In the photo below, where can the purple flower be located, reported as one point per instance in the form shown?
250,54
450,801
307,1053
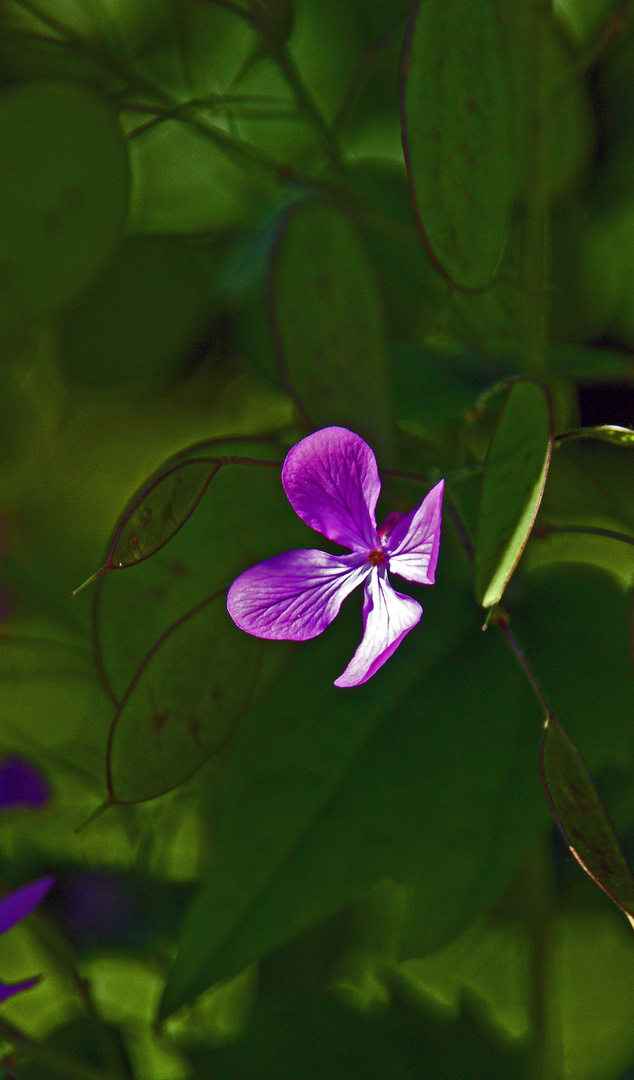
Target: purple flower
332,482
22,784
13,908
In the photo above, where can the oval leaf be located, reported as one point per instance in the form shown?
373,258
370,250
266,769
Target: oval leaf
161,510
512,487
182,704
458,135
582,817
610,433
63,201
328,318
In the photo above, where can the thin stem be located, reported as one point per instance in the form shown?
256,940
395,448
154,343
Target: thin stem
589,530
289,69
501,619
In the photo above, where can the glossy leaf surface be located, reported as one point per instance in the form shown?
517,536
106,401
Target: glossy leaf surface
457,135
182,704
329,320
582,818
514,477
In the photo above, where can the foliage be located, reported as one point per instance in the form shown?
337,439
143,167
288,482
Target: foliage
226,224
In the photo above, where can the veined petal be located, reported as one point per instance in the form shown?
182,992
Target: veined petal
8,990
412,549
295,596
332,482
387,618
17,905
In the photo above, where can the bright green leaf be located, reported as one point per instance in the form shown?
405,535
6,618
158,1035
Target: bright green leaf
458,135
514,477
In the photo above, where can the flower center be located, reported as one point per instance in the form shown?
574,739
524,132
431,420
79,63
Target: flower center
376,557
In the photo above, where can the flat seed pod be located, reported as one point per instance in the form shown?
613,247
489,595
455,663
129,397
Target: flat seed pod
512,487
458,136
182,704
63,196
582,817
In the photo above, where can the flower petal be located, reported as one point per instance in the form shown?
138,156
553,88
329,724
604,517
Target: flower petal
387,618
7,990
332,482
412,548
22,784
17,905
295,596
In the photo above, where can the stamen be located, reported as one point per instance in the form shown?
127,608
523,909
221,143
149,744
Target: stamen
376,557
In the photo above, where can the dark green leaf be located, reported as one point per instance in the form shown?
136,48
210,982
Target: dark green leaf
458,135
415,776
182,704
514,477
63,202
329,321
582,818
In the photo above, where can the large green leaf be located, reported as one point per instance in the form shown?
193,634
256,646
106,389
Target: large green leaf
417,775
64,199
514,477
329,321
458,135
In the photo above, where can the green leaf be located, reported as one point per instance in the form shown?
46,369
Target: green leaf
458,135
182,704
414,776
329,321
582,817
587,512
63,202
514,477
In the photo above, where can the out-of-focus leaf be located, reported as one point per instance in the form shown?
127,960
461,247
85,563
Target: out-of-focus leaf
319,1039
514,477
63,201
140,318
161,511
458,135
329,321
183,703
416,777
587,512
186,182
244,517
582,817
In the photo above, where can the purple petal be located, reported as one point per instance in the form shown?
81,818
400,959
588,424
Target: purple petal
387,618
17,905
8,990
22,785
412,549
295,596
332,482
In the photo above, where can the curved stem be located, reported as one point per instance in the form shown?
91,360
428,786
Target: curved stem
289,69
